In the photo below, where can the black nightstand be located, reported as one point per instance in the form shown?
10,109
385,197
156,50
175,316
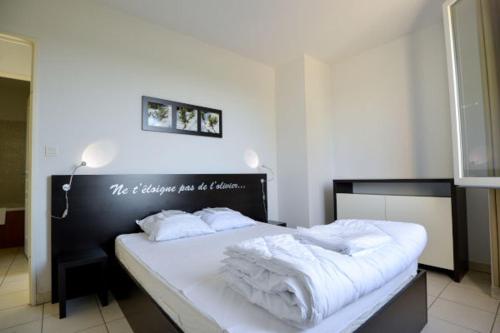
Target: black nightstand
79,259
278,223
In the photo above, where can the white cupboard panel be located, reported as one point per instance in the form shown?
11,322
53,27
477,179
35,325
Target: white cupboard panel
434,213
360,206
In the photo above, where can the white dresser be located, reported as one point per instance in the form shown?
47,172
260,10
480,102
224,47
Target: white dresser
438,205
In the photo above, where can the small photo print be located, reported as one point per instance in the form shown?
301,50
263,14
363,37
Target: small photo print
210,122
187,119
159,114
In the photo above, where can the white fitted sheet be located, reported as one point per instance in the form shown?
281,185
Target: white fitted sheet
182,277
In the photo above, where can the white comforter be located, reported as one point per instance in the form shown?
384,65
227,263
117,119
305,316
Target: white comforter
303,283
352,237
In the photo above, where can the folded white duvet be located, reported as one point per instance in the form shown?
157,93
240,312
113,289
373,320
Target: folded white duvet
303,283
352,237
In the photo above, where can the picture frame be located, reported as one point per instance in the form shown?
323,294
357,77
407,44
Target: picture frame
210,122
160,115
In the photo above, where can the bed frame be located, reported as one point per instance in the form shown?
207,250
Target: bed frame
405,312
105,206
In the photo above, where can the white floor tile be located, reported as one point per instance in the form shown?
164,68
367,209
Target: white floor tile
436,325
20,315
430,300
14,299
6,261
81,313
97,329
496,326
462,315
438,277
21,258
19,267
112,311
32,327
435,289
479,282
10,250
470,297
119,326
436,283
9,287
20,261
3,271
16,276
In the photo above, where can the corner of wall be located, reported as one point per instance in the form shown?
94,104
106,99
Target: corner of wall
303,95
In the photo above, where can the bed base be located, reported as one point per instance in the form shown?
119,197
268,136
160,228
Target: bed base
143,314
405,312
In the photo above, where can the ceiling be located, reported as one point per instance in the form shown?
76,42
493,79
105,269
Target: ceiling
275,31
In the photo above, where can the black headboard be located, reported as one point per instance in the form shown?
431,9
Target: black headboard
105,206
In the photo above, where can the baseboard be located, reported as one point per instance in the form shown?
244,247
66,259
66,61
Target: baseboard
479,267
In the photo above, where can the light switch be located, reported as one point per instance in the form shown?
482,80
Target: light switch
51,151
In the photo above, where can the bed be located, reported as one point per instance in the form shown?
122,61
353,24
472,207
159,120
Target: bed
174,287
191,292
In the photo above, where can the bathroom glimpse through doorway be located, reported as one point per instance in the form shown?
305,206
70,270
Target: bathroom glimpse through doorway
15,170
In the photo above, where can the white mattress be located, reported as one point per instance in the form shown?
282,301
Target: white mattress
182,277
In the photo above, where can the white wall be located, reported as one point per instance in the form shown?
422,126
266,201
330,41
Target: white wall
318,91
478,225
303,106
292,144
391,113
93,65
391,119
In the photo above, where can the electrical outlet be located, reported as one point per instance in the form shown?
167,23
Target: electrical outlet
51,151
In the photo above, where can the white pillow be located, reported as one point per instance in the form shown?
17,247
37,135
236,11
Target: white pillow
219,210
147,223
159,227
225,219
172,212
214,210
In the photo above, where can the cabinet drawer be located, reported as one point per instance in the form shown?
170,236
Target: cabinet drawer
360,206
434,213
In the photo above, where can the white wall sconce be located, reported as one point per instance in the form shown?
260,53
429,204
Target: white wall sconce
66,188
99,154
95,155
252,161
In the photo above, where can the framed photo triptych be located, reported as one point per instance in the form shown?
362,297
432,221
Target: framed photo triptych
161,115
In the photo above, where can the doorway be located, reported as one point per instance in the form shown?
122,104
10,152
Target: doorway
15,169
14,96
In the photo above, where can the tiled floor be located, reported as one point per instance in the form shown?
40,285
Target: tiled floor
461,307
453,307
16,316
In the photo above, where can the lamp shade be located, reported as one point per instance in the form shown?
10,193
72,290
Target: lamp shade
99,154
251,159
